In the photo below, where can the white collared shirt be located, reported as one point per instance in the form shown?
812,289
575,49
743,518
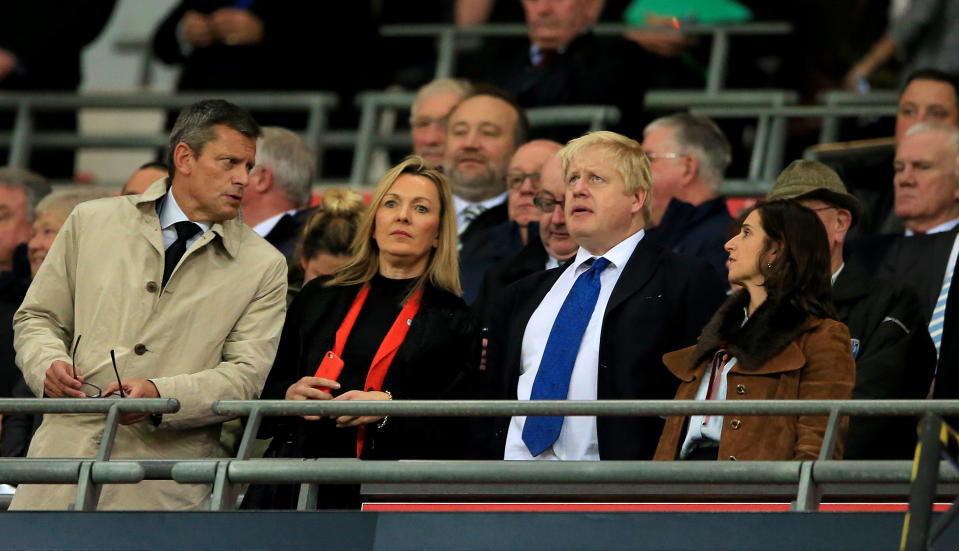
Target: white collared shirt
703,428
578,438
551,262
462,204
945,226
265,227
835,276
170,213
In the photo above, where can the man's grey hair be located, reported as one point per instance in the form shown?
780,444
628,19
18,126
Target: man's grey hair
700,137
951,132
456,86
292,162
196,126
62,201
34,186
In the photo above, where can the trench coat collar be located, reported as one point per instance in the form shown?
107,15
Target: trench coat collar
230,231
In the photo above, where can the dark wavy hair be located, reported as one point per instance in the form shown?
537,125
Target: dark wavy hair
800,275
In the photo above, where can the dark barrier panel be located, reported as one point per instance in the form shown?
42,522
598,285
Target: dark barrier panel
458,531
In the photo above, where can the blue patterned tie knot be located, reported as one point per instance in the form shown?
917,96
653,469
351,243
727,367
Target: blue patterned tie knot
559,356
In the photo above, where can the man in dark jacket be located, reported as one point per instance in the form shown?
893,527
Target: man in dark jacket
689,155
598,326
895,357
276,199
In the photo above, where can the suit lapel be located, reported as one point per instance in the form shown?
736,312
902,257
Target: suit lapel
639,269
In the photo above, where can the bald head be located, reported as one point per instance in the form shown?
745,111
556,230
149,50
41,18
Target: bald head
144,176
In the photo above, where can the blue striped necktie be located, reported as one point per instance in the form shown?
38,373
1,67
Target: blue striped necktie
939,313
559,356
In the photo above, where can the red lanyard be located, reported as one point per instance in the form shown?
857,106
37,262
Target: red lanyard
387,350
719,362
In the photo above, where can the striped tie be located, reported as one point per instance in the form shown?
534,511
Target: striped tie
939,314
469,214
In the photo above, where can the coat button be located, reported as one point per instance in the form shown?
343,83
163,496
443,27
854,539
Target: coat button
735,424
740,389
732,458
152,286
140,349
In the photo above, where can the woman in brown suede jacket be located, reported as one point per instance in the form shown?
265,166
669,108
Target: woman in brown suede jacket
776,338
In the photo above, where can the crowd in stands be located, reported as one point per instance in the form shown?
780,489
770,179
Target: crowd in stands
491,263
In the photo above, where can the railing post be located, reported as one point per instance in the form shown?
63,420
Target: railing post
315,128
718,57
88,492
445,53
759,147
809,494
19,155
831,436
308,496
925,473
364,142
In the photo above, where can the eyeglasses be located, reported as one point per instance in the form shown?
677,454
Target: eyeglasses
98,391
423,122
821,208
655,156
515,181
545,202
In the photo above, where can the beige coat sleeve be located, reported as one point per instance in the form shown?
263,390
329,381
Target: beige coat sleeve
43,326
247,357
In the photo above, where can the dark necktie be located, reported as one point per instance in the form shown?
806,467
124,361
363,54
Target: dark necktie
184,231
562,346
546,57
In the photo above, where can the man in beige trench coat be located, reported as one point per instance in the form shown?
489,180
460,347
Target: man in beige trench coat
202,329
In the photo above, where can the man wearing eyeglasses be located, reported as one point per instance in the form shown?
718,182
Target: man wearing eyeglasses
173,295
553,247
508,238
689,155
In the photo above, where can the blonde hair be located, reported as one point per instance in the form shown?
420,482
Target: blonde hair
625,156
62,201
443,268
333,226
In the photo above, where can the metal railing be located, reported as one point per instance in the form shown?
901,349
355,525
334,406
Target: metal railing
24,137
447,44
807,476
379,106
808,494
770,144
88,473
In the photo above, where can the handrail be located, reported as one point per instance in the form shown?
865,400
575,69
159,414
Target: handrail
770,147
446,35
24,135
619,408
371,103
88,474
89,405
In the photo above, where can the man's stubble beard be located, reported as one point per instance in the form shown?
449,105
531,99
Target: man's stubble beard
478,188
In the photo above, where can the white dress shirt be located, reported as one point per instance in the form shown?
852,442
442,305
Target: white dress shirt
578,438
707,428
945,226
170,213
462,204
265,227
